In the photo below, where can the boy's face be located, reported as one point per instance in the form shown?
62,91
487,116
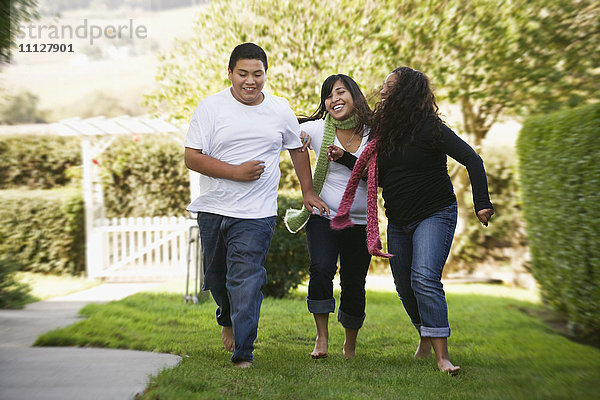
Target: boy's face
247,80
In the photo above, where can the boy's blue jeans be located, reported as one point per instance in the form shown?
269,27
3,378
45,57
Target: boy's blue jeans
234,254
420,251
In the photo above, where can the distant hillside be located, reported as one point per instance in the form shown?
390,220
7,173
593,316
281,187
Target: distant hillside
60,6
107,76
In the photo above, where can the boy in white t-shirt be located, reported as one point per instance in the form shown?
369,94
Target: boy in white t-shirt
234,140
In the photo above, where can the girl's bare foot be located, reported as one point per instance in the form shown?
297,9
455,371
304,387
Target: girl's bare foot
440,346
243,364
350,343
447,366
322,340
349,351
321,347
424,349
227,338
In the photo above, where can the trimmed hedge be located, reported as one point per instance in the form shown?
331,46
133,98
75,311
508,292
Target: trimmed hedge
287,261
144,177
43,230
37,161
560,177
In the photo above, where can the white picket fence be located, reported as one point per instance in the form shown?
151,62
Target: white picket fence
142,248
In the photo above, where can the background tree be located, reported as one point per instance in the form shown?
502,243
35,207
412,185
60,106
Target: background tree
495,57
12,13
491,58
305,41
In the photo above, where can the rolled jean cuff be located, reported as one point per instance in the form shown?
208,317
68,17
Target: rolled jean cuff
350,321
435,332
321,306
237,358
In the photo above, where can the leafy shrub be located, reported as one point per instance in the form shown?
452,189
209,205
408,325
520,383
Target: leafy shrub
22,108
145,176
560,177
287,260
506,232
13,294
43,230
37,161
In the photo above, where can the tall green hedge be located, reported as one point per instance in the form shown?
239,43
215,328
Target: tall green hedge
144,177
559,157
37,161
43,230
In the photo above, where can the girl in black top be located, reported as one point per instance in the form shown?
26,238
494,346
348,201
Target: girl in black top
412,146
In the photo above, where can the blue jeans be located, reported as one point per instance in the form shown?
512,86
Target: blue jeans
234,254
324,247
420,251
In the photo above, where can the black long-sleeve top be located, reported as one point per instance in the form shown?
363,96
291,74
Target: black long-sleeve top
416,183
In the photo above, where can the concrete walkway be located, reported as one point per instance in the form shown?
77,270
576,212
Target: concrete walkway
68,372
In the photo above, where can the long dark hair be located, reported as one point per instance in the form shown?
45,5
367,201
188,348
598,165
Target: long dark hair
361,107
411,102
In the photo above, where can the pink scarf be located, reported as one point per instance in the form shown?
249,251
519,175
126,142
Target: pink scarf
342,219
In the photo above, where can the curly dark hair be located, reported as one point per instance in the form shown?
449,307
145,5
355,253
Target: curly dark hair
361,107
398,118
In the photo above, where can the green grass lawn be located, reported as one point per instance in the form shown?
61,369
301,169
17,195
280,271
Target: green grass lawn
504,352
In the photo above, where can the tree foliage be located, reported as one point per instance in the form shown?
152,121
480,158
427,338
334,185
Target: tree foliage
304,40
500,56
12,13
491,57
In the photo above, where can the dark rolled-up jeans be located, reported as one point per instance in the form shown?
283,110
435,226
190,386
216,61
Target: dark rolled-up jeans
324,247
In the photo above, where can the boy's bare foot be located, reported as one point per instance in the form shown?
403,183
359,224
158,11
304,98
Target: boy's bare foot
243,364
424,349
321,347
447,366
227,338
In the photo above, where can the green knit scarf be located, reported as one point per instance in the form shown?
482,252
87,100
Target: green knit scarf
296,219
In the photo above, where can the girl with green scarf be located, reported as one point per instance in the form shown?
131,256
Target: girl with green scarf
340,120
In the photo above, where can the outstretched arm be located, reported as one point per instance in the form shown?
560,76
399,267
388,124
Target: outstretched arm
210,166
301,162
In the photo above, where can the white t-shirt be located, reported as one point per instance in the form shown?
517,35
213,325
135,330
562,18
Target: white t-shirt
233,132
338,175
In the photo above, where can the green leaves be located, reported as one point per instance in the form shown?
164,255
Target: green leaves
500,56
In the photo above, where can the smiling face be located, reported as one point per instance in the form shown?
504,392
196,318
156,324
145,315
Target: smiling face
339,104
388,85
247,81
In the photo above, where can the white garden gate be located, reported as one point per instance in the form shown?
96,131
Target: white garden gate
130,248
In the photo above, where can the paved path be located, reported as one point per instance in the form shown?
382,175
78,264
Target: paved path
68,372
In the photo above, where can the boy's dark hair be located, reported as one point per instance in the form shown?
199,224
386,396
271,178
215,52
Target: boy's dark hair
248,51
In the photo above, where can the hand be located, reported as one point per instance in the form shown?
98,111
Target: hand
249,171
485,215
306,141
314,204
334,152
